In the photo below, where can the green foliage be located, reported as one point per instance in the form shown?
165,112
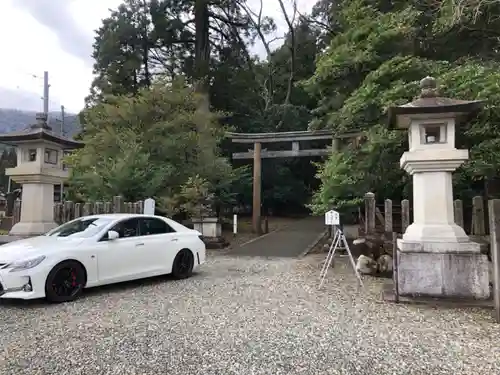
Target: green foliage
145,39
371,37
377,61
195,197
352,60
282,185
477,80
147,145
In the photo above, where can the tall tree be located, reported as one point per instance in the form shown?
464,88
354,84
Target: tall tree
383,50
208,43
122,51
146,145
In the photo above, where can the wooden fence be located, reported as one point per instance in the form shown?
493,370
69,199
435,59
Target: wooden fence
391,218
477,219
67,211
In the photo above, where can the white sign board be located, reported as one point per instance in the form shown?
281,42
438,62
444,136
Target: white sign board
149,206
332,218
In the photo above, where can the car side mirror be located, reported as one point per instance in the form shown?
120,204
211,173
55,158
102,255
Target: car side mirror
113,235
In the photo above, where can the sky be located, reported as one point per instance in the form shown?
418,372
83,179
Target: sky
57,36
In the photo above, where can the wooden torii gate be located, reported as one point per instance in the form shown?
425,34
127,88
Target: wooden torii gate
257,154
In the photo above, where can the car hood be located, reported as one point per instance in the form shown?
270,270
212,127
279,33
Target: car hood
35,246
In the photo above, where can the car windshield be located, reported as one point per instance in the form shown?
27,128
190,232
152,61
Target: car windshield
84,227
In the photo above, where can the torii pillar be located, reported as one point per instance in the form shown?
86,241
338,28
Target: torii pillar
257,188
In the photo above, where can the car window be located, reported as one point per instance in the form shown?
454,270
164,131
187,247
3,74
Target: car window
84,228
126,228
151,226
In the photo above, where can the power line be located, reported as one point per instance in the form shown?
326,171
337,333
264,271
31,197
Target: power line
47,102
28,74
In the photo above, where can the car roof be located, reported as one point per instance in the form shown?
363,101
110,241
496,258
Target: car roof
119,216
174,224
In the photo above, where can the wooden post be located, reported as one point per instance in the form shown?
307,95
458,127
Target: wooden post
395,276
257,182
87,209
68,211
458,211
98,208
405,214
369,213
494,221
335,144
78,210
118,205
16,212
388,215
58,213
478,227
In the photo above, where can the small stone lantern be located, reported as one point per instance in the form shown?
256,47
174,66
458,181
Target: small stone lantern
39,167
436,257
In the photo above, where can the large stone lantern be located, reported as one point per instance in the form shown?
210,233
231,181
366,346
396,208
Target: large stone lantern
39,167
436,257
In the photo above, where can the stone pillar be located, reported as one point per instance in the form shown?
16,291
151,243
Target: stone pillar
433,214
37,210
257,187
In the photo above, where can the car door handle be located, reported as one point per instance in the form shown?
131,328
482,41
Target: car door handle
139,244
174,240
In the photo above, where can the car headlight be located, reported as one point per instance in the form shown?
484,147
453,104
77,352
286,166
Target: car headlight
21,265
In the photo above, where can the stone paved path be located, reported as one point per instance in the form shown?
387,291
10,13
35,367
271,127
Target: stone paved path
290,241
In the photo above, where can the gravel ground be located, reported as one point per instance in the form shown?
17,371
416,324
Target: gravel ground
245,316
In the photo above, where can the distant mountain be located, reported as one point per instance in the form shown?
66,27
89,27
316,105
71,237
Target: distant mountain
15,120
20,99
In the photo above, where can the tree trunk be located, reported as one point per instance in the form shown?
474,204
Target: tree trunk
206,143
291,46
145,46
202,53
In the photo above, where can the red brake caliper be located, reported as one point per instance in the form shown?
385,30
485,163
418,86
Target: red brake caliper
73,278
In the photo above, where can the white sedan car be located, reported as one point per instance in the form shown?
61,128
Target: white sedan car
97,250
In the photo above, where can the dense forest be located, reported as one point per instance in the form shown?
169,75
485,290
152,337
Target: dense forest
172,76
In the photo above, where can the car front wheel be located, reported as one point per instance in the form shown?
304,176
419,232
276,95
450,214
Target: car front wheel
65,282
183,264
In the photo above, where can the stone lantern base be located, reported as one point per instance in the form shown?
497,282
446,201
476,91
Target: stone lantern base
31,229
37,207
442,269
211,230
208,227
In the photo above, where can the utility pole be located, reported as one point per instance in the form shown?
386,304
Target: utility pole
46,93
62,120
62,135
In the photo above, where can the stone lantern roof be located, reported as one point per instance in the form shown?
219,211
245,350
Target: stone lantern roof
40,131
430,104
